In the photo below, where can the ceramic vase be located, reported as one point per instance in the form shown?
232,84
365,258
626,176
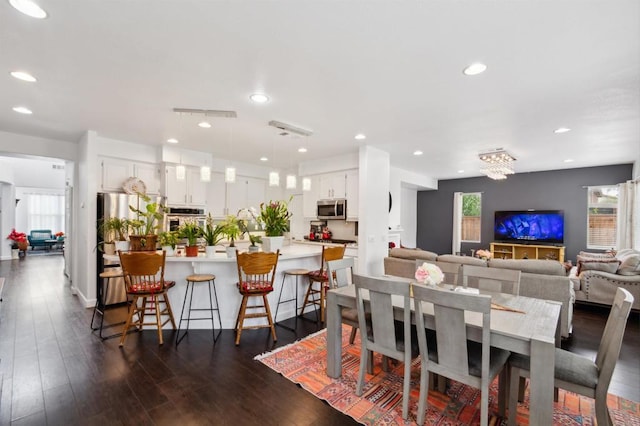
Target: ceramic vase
122,245
210,251
231,252
253,249
271,244
169,250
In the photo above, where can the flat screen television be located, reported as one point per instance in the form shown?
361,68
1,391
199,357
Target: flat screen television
529,226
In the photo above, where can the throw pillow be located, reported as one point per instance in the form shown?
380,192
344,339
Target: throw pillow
629,264
592,255
604,265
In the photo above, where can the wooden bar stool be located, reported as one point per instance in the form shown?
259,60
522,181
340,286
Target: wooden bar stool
316,296
192,280
290,273
100,307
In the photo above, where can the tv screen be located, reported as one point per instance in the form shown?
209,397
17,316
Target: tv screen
530,227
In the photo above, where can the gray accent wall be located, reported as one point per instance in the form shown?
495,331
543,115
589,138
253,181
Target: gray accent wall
551,190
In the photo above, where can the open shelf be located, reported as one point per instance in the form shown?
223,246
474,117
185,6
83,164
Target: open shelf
527,251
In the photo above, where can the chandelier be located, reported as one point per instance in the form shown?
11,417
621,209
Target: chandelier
499,164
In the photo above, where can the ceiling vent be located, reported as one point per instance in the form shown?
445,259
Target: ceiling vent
288,129
206,112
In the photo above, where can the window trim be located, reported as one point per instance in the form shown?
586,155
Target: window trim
607,205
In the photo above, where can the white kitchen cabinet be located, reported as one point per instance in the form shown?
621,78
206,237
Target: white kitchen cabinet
217,195
245,192
190,192
332,185
352,195
310,199
116,171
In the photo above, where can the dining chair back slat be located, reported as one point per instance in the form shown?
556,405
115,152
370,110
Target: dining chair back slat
495,280
340,274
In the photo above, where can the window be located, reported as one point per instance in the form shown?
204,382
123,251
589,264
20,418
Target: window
471,214
602,212
45,211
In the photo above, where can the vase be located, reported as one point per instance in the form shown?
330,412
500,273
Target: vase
122,245
192,251
271,244
15,253
169,250
231,252
143,242
210,251
253,249
109,248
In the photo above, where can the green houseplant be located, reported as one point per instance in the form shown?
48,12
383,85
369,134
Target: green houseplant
231,229
212,235
274,218
168,240
146,225
114,232
191,232
245,217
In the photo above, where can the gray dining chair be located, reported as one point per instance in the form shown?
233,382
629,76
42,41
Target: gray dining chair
340,274
579,374
452,355
491,279
380,335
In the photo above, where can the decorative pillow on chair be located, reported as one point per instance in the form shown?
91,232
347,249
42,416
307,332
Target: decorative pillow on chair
604,265
629,263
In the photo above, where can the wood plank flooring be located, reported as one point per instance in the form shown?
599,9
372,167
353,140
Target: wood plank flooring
54,371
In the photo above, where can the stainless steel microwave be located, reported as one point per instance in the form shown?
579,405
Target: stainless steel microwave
332,209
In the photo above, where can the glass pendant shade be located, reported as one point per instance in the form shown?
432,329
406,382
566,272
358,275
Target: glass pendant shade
306,184
291,182
205,174
230,174
181,172
274,179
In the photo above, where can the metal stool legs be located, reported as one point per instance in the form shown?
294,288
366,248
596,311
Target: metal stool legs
280,301
100,306
192,280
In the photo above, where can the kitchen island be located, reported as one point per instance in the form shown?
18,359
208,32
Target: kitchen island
177,268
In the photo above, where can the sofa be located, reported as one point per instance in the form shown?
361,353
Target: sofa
598,275
40,238
541,279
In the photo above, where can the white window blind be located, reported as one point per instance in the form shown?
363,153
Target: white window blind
45,211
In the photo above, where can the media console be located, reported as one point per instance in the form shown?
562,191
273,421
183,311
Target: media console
527,251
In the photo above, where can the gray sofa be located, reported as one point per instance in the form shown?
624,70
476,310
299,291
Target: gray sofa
541,279
597,276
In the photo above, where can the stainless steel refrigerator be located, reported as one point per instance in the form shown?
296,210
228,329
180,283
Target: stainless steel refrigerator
116,205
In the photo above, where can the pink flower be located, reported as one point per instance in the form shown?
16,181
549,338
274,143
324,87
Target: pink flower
421,275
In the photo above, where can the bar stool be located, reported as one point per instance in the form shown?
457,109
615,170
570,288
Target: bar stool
288,273
100,307
192,280
316,296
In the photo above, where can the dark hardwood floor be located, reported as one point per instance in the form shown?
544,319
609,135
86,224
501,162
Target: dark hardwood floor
53,370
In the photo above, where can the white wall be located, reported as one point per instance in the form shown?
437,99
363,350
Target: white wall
31,145
409,216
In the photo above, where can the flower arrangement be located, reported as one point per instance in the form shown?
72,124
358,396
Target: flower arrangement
59,234
484,254
274,217
17,238
429,273
231,229
191,232
246,216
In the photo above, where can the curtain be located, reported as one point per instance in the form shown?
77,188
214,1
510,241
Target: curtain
628,222
457,223
45,211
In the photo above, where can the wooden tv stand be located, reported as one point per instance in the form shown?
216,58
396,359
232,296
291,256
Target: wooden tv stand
527,251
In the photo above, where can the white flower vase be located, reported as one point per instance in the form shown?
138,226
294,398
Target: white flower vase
210,251
253,249
169,250
15,253
231,252
271,244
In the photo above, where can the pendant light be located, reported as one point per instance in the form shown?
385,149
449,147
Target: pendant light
181,172
306,184
205,174
291,182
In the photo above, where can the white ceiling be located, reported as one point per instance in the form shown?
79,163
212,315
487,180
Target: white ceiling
389,69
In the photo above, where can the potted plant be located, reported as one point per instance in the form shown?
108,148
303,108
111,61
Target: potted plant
146,226
114,232
274,218
231,229
168,241
191,232
246,216
18,243
212,235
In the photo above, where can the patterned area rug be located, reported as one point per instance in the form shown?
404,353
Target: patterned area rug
304,363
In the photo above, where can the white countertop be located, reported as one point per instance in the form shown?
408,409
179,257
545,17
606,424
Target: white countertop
322,243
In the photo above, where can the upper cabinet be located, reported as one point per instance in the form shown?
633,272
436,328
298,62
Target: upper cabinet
216,195
245,192
352,195
189,192
332,185
310,199
116,171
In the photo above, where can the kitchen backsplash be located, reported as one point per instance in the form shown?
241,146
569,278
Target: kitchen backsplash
343,230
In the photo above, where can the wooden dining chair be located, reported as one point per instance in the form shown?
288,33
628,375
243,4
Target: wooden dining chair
579,374
496,280
143,273
381,335
315,296
256,272
454,356
340,274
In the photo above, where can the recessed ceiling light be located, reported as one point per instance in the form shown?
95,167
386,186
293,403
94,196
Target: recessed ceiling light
29,8
569,160
22,110
460,171
259,98
418,152
24,76
360,136
302,149
475,69
204,124
562,130
172,140
264,159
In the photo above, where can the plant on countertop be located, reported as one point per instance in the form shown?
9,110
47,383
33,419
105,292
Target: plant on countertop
169,238
212,233
114,229
231,229
17,237
274,217
148,219
246,216
191,231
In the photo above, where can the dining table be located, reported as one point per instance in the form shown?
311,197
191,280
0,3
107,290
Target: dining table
519,324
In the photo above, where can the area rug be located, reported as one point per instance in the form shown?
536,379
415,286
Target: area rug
304,363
